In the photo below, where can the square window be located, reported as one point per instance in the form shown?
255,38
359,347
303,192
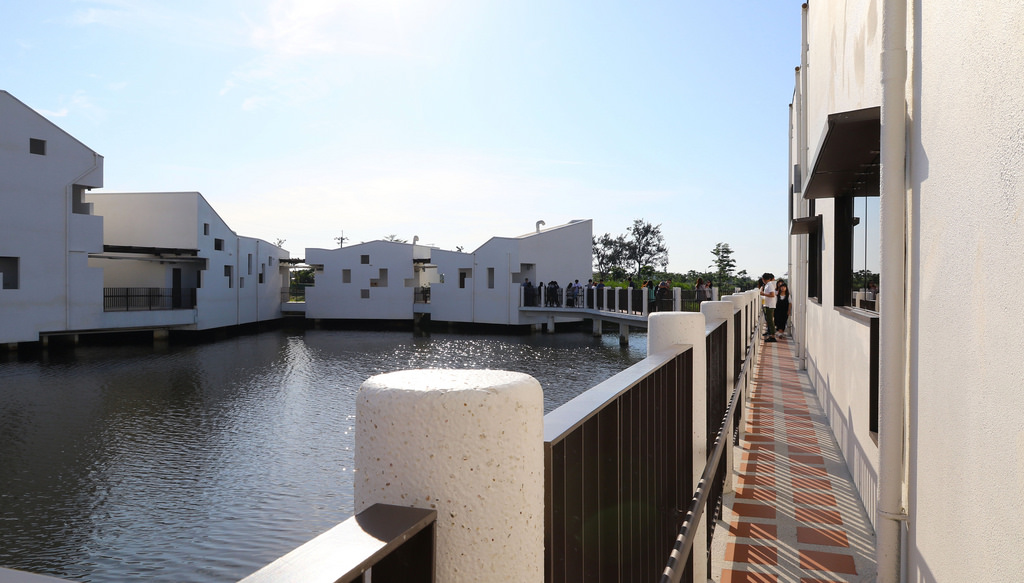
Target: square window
364,294
37,146
364,259
218,244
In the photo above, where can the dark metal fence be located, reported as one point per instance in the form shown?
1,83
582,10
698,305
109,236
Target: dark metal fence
122,299
717,403
614,483
421,295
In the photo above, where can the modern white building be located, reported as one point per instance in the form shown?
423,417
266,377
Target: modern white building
907,151
47,229
175,242
384,280
73,261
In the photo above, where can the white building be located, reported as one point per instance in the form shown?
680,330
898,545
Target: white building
46,228
77,262
176,241
380,280
915,170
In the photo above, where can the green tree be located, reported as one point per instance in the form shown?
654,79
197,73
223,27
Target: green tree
723,264
645,248
610,256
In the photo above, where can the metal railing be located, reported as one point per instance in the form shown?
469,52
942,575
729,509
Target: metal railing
707,497
421,295
127,299
614,483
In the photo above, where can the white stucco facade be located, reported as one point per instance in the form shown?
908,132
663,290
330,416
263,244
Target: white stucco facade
66,251
376,280
964,254
237,280
46,230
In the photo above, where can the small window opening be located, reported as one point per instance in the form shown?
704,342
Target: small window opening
346,276
364,259
218,244
37,146
9,272
206,229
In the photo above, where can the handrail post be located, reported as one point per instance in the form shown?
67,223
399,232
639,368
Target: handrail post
665,329
468,444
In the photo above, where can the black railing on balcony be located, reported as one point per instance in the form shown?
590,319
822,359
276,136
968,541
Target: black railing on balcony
718,397
127,299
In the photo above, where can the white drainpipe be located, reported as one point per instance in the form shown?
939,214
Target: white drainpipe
893,383
803,246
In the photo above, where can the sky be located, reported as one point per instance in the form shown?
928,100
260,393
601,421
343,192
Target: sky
451,120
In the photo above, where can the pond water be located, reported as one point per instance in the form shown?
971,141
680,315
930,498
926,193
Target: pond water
205,462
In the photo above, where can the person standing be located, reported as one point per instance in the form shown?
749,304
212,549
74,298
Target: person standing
782,309
770,299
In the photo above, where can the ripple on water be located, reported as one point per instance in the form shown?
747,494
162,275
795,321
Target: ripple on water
206,462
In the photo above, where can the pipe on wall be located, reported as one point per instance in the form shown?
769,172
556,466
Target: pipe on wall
892,510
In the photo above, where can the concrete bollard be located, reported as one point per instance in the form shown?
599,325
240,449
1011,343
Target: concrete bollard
468,443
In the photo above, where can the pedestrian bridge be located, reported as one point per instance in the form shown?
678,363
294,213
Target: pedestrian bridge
625,307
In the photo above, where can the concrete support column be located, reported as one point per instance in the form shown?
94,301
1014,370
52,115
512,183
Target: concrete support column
551,324
665,329
714,311
677,299
161,334
470,444
598,327
623,334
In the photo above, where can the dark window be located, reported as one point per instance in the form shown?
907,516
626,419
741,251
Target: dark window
227,274
9,272
364,294
206,229
36,146
364,259
218,244
346,276
464,273
814,261
490,278
250,264
857,251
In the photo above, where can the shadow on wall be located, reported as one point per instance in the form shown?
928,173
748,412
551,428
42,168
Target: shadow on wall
857,462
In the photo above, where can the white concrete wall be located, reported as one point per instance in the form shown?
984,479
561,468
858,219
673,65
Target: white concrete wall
186,220
966,243
562,253
332,298
966,149
449,302
38,227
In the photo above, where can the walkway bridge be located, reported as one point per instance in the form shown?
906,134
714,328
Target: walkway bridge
626,307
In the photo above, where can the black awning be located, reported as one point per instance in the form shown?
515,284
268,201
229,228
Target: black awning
805,225
133,249
848,161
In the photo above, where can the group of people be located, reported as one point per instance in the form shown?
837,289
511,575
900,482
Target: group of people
552,293
775,300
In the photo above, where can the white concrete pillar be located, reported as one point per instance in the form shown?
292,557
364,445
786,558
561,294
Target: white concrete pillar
623,334
598,327
551,324
677,299
665,329
468,443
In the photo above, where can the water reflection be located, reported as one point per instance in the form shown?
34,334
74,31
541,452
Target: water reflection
201,463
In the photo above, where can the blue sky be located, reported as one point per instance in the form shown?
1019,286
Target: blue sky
451,120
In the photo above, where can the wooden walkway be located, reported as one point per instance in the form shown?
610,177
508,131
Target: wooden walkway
795,516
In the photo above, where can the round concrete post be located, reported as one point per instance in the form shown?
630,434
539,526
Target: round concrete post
468,443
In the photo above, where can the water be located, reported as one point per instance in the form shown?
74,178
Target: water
206,462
